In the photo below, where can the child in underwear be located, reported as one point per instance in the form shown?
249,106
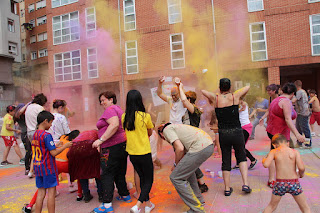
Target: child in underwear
286,160
214,127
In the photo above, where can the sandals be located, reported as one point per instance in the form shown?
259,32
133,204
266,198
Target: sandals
253,164
228,192
246,189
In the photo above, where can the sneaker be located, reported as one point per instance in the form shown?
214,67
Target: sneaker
252,164
26,209
135,209
21,162
73,188
5,163
126,199
57,193
203,187
313,134
87,197
30,174
26,172
79,198
148,209
103,209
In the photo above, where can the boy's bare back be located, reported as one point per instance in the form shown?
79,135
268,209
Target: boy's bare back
315,104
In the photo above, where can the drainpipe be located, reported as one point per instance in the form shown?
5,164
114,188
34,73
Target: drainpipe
121,62
215,39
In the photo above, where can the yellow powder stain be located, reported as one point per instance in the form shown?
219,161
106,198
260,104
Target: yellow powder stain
313,175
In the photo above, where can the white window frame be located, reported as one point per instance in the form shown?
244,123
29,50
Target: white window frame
45,53
128,57
31,10
62,60
24,58
68,27
254,1
96,62
21,13
15,45
173,5
60,4
33,22
313,1
44,35
11,28
129,14
91,22
172,51
313,34
41,4
23,29
35,39
265,40
43,20
33,55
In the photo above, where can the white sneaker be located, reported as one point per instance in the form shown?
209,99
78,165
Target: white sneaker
135,209
319,135
148,209
73,188
313,134
30,174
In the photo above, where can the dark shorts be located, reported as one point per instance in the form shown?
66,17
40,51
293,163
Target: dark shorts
46,181
283,186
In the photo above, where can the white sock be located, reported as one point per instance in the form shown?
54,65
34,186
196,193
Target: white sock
107,205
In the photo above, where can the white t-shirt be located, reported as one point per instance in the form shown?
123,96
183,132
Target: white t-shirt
177,111
59,126
244,116
31,115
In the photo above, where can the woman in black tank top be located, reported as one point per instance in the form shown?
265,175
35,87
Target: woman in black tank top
230,131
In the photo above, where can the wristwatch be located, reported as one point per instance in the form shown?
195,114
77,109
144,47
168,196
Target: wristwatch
101,139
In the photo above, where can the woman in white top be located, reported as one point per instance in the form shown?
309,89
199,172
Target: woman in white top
247,129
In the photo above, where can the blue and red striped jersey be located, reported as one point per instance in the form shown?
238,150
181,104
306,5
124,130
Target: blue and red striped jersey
43,162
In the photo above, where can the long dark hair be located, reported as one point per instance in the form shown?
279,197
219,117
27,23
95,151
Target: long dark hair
134,104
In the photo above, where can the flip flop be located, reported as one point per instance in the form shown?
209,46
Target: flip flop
228,192
253,164
246,189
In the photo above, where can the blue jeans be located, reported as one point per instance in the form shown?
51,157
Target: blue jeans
302,125
255,123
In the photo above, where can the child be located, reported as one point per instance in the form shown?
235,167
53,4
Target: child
286,160
138,127
45,168
315,116
7,133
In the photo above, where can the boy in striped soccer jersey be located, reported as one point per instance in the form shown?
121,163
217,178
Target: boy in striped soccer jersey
44,163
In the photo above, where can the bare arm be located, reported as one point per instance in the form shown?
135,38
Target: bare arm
179,150
312,100
265,115
22,110
57,151
300,164
253,113
185,101
111,130
12,129
150,132
211,96
268,160
242,92
159,90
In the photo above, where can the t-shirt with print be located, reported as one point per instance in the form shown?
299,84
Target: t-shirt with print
262,105
102,125
302,106
192,119
138,140
43,162
59,126
31,115
192,138
177,110
7,120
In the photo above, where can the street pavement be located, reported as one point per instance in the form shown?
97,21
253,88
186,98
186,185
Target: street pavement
16,188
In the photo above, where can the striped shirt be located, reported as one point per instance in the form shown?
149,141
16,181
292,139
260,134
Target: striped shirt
43,162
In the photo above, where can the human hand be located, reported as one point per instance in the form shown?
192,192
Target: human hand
301,138
261,122
96,144
68,144
162,79
301,174
18,131
177,81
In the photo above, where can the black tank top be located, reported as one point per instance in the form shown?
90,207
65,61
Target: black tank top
228,117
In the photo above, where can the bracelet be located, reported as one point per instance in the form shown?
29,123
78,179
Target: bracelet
174,164
100,139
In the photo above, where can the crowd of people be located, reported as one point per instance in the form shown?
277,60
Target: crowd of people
52,148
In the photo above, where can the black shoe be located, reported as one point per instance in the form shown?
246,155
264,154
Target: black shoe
203,187
235,167
79,198
253,163
100,198
87,197
229,192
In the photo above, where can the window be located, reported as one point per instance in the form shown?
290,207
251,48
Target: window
33,22
33,39
92,63
132,57
13,7
21,13
23,29
43,53
12,48
31,8
33,55
67,66
40,4
174,11
41,20
24,57
255,5
258,42
42,36
177,51
311,1
91,22
315,34
66,28
129,15
58,3
11,25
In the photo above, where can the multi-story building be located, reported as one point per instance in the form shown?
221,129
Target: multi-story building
119,45
9,51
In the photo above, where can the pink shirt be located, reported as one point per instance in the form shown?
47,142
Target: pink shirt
102,125
277,123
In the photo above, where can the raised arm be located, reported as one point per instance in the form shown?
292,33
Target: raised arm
22,110
242,92
159,90
185,101
312,100
211,96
